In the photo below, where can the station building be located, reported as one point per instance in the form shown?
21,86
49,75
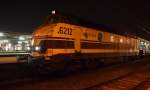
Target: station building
14,41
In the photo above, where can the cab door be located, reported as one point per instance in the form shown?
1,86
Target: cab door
77,37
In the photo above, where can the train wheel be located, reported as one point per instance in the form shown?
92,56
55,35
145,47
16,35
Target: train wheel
88,63
40,67
84,63
61,63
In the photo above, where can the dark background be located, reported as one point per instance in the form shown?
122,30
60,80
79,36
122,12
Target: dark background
131,17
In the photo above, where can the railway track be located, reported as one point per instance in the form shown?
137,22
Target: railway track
129,81
144,85
118,77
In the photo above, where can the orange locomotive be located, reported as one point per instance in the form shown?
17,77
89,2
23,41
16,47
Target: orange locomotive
60,40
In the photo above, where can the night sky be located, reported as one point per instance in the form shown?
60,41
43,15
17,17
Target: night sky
124,16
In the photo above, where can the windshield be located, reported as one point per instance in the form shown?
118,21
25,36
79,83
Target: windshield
56,44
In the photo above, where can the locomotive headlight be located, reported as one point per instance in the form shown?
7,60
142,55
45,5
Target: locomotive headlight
37,48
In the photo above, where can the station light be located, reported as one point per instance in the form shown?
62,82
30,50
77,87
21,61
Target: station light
1,34
142,43
21,38
19,48
19,42
5,41
28,48
32,42
26,41
53,12
9,46
6,48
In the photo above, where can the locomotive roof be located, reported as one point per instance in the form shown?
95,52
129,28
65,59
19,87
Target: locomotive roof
76,20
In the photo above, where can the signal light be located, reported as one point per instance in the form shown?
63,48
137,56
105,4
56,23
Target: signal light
53,12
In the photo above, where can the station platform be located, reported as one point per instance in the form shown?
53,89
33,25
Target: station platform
10,57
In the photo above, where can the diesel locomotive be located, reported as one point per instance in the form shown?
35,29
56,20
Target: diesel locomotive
61,40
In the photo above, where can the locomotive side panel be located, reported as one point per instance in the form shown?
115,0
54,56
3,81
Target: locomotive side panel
67,36
70,39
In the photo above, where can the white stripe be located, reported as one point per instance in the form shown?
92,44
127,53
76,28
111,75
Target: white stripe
105,50
60,51
67,51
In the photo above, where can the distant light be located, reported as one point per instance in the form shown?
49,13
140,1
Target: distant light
19,42
1,34
53,12
28,44
21,38
9,46
19,48
6,41
142,43
28,48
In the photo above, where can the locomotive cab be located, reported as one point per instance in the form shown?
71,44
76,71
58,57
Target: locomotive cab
52,38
